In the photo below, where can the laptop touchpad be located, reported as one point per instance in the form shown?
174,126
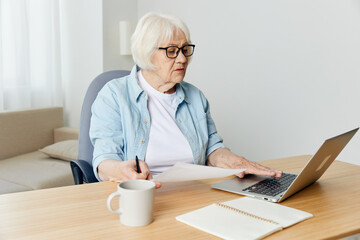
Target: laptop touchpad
238,184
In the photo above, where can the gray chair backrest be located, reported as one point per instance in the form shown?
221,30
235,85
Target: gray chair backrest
86,148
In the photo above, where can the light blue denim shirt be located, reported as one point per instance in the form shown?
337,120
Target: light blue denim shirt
120,122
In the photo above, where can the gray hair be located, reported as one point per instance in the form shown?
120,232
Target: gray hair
151,30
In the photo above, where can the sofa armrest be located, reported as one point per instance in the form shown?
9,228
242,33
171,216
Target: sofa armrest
65,133
25,131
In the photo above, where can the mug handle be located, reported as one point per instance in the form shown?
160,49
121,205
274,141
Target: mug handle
111,196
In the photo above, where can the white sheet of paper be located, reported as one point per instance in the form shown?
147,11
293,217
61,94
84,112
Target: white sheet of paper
187,172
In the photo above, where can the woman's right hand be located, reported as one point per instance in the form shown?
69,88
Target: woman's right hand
118,171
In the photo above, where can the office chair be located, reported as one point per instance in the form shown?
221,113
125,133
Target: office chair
81,168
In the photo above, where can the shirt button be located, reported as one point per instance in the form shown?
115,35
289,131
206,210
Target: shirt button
145,121
142,141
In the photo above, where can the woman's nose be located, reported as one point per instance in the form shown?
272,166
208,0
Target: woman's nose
181,58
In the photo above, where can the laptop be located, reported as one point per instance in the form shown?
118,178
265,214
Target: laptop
278,189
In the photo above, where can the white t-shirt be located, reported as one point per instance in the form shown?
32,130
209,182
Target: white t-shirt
167,144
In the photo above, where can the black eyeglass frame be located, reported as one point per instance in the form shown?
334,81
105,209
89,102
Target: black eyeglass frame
177,52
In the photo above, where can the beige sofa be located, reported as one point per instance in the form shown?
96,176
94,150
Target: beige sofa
22,134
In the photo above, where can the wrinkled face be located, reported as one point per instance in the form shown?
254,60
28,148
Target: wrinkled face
170,71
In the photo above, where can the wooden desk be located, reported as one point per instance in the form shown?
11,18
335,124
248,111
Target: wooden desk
80,212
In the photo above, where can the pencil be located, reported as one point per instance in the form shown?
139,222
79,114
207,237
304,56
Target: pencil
137,165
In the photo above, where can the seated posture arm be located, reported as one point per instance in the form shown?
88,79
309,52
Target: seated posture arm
118,171
224,158
155,115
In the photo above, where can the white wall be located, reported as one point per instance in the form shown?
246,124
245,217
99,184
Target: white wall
82,54
281,76
90,46
115,11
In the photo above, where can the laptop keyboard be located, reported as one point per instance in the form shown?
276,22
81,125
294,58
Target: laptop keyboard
272,186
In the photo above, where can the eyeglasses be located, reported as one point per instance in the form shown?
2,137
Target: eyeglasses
173,51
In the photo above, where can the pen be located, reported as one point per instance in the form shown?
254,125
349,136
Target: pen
137,165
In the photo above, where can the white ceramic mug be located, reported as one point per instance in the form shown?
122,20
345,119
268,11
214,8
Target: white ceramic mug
136,202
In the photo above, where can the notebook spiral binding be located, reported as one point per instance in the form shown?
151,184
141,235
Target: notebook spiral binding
246,214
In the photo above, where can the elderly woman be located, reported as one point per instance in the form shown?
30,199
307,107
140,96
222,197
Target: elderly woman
155,115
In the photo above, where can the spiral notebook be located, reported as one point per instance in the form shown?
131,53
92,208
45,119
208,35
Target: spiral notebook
243,218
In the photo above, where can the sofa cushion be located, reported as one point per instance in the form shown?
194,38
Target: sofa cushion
65,150
36,170
9,187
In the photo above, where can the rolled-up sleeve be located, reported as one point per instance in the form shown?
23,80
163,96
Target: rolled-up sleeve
106,131
214,141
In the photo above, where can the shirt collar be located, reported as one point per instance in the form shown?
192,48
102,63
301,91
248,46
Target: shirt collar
181,93
134,87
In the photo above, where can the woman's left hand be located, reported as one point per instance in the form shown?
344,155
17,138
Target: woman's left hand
224,158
